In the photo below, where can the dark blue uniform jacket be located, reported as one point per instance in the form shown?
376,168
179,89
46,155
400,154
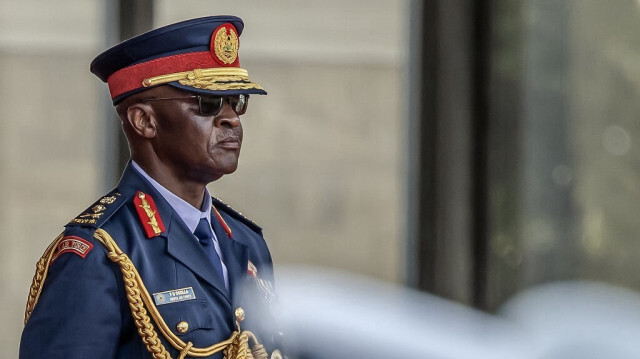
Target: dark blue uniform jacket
83,311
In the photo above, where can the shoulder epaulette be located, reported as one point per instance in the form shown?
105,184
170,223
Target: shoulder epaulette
99,212
237,215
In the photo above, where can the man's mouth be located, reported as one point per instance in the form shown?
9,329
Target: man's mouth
231,143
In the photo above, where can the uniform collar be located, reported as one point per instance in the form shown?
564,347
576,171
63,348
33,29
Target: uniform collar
189,214
180,241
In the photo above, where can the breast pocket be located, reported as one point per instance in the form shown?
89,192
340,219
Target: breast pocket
188,318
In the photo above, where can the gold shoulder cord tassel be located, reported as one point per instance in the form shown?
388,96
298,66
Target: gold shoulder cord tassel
236,347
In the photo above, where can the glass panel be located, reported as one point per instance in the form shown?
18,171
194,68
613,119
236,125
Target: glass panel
565,169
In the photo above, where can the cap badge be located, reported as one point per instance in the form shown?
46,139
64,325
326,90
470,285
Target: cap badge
225,45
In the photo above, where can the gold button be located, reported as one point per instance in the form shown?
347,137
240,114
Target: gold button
239,314
182,327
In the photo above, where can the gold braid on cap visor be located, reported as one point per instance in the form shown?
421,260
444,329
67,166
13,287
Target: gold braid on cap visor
215,79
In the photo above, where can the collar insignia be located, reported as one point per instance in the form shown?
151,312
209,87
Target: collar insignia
222,222
148,213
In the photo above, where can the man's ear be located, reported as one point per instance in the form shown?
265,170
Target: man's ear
142,120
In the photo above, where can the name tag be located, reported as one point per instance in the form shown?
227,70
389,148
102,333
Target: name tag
174,296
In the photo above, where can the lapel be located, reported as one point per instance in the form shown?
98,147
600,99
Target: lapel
181,243
235,254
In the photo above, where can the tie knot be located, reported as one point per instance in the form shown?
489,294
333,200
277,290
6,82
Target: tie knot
203,232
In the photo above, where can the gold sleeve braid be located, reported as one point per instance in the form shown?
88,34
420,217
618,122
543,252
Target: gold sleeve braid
236,347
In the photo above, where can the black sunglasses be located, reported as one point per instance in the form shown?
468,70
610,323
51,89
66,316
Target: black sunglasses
210,105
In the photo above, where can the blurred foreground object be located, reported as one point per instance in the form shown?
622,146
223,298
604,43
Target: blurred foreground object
332,314
584,320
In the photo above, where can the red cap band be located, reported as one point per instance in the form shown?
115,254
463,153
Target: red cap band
130,78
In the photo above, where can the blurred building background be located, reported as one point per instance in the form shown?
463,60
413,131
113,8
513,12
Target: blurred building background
468,149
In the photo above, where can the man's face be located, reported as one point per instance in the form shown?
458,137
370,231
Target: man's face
195,147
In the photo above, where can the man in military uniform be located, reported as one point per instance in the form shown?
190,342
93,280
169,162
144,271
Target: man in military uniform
157,267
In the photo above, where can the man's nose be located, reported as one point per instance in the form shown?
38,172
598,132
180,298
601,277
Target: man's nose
227,117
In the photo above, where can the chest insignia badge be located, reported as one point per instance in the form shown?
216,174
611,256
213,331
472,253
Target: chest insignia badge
252,270
265,286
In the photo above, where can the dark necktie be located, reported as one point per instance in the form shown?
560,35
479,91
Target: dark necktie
205,236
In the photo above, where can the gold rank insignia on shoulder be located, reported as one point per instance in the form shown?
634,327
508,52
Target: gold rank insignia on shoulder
225,207
97,210
108,199
148,213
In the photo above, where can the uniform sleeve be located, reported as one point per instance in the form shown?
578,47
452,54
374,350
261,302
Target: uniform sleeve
78,314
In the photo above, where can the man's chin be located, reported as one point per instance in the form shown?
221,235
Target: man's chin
220,172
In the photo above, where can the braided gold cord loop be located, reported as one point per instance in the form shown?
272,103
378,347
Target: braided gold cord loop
143,309
138,312
42,268
259,352
239,348
236,347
